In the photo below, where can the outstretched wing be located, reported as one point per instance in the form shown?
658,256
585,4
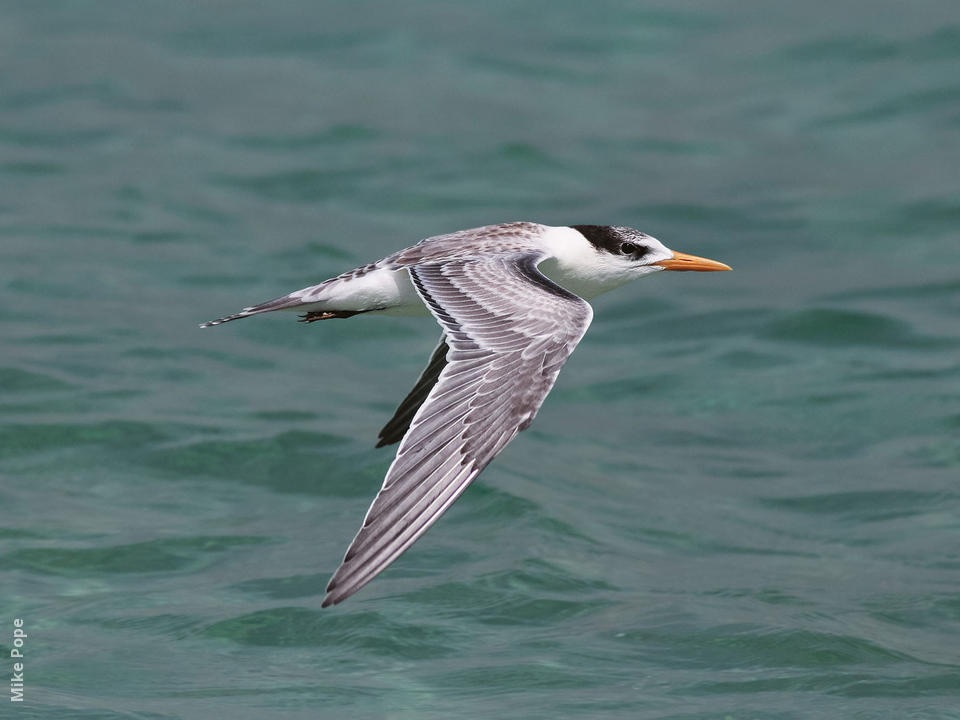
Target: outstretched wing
395,428
509,330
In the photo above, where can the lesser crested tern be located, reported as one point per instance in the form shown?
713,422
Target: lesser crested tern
511,301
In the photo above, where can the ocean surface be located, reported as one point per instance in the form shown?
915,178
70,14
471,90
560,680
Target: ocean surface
742,500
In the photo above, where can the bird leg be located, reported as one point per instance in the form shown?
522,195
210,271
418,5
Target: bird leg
327,315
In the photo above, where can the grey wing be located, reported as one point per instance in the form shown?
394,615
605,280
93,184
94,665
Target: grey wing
395,428
509,330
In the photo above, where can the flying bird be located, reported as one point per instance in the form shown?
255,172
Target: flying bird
511,300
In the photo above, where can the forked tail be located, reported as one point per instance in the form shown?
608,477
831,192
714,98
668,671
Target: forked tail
287,302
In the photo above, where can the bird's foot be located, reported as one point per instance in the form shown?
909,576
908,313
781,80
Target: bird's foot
326,315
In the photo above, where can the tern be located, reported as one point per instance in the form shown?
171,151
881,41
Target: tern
511,300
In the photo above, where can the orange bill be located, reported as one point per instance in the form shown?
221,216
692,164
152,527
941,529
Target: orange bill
682,261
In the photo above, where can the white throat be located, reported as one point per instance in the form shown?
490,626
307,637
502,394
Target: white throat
578,266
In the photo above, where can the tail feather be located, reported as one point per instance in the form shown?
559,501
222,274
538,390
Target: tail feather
287,302
226,319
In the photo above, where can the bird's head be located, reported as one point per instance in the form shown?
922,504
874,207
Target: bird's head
614,255
640,253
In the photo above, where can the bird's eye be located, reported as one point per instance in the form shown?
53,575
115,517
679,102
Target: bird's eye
628,248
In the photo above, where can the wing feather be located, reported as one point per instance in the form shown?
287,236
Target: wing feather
397,426
507,332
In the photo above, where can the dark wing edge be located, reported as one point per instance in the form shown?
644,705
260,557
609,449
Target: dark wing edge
398,425
509,330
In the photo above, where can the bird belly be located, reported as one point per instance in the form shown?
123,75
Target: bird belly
383,290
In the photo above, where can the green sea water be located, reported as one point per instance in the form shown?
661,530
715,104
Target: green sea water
742,499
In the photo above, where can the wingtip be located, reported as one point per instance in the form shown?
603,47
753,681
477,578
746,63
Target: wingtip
331,597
